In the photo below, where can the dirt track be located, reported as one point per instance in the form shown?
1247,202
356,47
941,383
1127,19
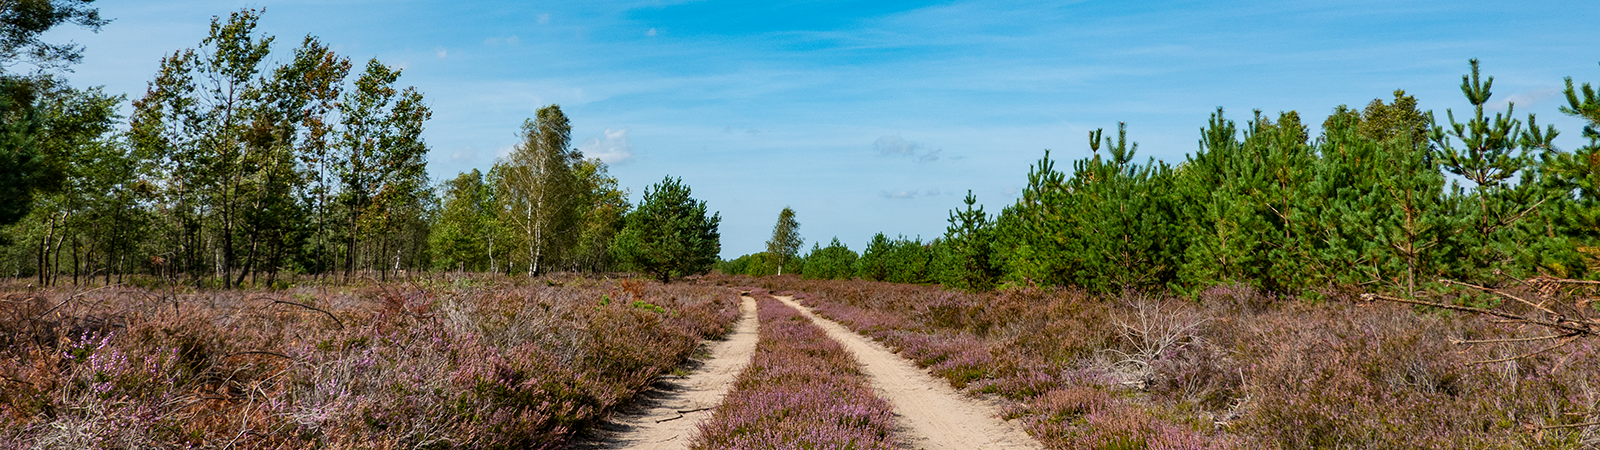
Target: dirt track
929,414
668,416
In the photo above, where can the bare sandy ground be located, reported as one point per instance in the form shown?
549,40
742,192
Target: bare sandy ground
929,414
667,416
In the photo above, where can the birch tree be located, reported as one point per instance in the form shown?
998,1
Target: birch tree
540,189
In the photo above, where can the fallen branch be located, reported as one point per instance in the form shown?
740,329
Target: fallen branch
330,315
1567,328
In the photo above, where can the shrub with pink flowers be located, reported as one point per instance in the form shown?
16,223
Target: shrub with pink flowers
1231,368
801,390
441,364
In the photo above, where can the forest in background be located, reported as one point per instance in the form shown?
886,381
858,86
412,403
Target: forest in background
1385,198
232,169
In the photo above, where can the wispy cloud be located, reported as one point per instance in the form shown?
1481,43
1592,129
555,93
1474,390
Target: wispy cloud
652,32
1534,96
899,194
896,145
544,19
903,194
614,148
442,52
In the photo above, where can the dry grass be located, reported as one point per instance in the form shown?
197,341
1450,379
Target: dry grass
1232,369
443,363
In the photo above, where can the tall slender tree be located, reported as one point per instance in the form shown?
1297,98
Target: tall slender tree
382,161
540,189
786,241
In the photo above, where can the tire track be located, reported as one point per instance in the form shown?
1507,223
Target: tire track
668,416
929,413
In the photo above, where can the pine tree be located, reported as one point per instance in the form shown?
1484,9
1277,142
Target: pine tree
669,234
969,239
1490,155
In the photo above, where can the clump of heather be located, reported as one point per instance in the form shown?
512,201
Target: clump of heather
1234,367
462,363
801,390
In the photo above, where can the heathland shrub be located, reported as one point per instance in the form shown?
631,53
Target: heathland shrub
801,390
443,364
1235,369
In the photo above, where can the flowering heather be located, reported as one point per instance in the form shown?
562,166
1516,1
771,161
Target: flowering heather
448,363
1234,368
801,390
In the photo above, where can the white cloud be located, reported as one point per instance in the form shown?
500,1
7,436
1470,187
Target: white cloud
544,18
442,52
514,40
652,32
899,194
896,145
615,148
463,153
1531,97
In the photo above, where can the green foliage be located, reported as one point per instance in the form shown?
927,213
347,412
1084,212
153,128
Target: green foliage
1365,203
22,166
669,235
466,220
601,208
898,260
968,239
540,191
786,241
23,22
834,262
1107,227
1241,215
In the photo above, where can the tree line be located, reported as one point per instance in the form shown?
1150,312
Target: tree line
232,169
1387,197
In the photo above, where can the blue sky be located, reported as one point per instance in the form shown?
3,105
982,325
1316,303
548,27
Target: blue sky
868,116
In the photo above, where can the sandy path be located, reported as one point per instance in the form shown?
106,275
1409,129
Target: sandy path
928,413
667,416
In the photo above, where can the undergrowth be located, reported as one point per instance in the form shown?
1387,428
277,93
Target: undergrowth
444,364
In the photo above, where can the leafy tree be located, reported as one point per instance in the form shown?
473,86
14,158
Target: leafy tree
23,22
786,241
192,122
669,235
898,260
23,169
460,237
382,161
834,262
740,265
540,191
601,208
